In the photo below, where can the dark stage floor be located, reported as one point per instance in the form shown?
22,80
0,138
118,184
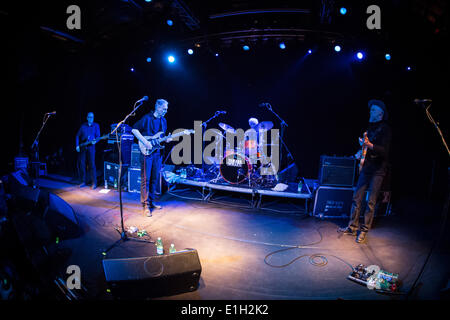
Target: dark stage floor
232,244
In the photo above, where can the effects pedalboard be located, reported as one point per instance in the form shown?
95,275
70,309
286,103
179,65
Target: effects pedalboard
375,278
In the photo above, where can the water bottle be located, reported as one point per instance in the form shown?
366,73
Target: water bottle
106,184
300,185
172,248
159,246
115,184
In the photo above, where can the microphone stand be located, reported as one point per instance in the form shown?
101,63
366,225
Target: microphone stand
435,124
283,126
204,125
122,232
35,146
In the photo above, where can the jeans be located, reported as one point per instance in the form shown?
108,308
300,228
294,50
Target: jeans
89,153
150,168
373,181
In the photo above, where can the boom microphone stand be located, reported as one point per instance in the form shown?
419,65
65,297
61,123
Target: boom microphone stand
283,126
122,232
35,149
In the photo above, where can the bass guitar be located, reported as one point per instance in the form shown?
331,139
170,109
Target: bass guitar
156,140
96,140
363,152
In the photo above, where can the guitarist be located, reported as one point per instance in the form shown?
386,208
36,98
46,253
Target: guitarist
149,125
375,146
89,131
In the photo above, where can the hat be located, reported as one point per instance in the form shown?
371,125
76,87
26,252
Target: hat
380,104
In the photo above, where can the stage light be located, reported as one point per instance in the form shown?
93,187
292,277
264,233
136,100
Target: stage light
408,68
169,22
246,48
337,48
171,59
387,56
148,0
282,46
132,69
149,59
309,51
360,55
217,54
343,11
190,51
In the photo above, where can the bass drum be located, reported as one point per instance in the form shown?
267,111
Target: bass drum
235,168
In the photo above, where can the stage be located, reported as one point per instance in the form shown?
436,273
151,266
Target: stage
233,241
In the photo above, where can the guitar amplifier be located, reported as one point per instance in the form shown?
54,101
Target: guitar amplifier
135,156
337,171
333,202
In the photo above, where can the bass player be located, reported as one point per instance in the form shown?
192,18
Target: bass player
373,168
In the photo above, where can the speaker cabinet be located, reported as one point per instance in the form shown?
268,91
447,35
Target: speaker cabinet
153,276
337,171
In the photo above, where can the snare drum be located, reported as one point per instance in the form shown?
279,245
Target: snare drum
235,168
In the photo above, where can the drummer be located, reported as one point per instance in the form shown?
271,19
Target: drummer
251,145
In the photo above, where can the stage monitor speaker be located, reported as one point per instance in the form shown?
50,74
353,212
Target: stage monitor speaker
337,171
154,276
333,202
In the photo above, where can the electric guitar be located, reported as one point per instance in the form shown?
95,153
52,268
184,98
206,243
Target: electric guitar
156,140
96,140
363,153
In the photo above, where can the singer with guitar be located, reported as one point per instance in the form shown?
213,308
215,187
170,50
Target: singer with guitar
149,125
373,168
86,138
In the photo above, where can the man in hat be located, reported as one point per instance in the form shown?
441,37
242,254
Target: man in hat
376,141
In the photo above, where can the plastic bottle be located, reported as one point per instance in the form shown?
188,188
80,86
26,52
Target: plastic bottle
159,246
172,248
106,184
115,184
300,185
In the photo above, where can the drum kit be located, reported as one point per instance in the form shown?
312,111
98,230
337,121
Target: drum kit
236,168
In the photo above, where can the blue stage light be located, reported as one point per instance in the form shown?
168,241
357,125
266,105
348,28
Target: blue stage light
246,48
387,56
360,55
408,68
282,45
148,0
132,69
170,22
217,54
343,10
171,59
337,48
190,51
309,51
149,59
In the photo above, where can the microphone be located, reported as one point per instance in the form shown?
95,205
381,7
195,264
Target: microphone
145,98
422,100
263,104
54,112
219,112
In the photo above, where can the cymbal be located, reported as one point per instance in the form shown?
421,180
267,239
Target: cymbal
265,125
227,128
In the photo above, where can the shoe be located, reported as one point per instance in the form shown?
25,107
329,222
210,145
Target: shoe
361,237
348,231
94,186
147,211
83,185
155,206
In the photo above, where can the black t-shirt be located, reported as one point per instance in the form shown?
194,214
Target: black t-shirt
148,125
379,133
